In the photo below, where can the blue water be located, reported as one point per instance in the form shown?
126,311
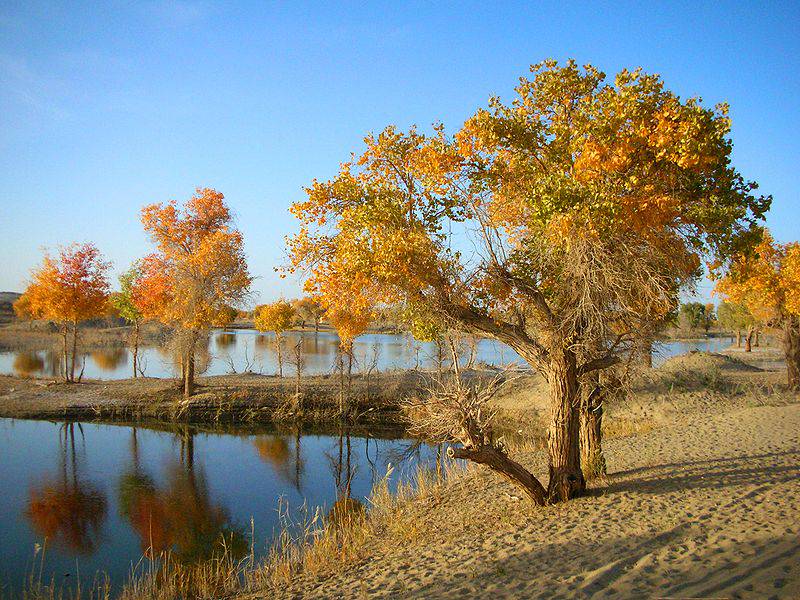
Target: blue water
95,497
247,349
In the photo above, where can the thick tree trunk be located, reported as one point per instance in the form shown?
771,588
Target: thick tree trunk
791,349
500,463
566,478
757,342
593,463
748,341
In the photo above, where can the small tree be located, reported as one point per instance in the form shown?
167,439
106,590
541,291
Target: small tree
767,282
349,321
126,304
69,289
735,318
197,272
692,316
277,318
308,309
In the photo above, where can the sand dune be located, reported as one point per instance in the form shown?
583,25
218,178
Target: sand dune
709,508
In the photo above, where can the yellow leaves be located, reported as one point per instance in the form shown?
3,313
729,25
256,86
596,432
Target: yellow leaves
790,278
767,281
199,269
71,287
277,317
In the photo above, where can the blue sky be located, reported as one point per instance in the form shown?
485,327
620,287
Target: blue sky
105,107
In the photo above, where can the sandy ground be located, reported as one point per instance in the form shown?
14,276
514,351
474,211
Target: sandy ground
706,505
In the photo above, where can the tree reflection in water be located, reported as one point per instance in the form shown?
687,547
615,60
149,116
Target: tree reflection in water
28,363
110,359
225,340
345,507
68,511
287,465
178,516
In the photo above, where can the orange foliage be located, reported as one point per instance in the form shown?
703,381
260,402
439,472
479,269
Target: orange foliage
766,281
199,268
71,287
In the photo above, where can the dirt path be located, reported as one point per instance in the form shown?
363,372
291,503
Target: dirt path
707,509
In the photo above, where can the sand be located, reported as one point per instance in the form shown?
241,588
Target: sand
707,507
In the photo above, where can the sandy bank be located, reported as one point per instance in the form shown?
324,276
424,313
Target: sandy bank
704,503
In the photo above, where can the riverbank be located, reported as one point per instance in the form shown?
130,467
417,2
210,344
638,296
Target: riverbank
702,500
240,398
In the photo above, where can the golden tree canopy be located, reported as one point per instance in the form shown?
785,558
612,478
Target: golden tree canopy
277,317
199,268
70,287
765,281
578,210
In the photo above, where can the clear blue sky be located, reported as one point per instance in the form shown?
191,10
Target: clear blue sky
107,106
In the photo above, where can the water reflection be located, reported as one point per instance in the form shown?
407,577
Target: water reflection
178,516
226,340
345,507
66,509
284,459
247,350
120,493
110,359
28,363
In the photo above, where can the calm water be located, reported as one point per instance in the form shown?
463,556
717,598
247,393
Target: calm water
103,494
242,350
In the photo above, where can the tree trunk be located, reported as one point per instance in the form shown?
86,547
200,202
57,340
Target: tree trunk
566,478
316,325
757,342
500,463
280,355
188,381
748,341
188,376
791,349
648,355
738,338
65,331
74,350
593,462
135,349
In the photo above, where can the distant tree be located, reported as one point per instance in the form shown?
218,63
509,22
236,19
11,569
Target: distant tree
68,289
228,315
308,309
277,318
692,316
22,308
197,272
767,282
709,316
349,321
127,304
736,318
